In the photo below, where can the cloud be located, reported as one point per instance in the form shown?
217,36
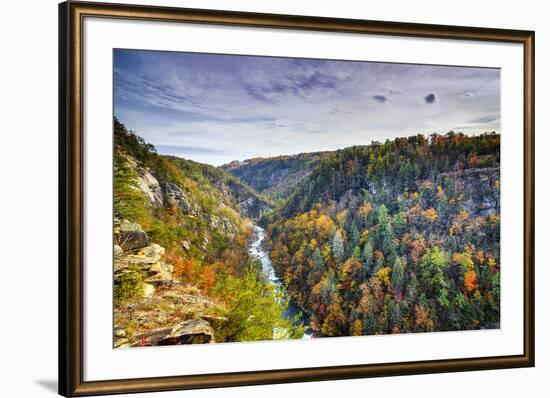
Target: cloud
215,108
485,119
430,98
379,98
466,95
189,149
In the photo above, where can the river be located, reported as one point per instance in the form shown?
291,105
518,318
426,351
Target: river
258,249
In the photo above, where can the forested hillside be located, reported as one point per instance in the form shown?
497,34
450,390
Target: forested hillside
182,266
276,177
394,237
402,236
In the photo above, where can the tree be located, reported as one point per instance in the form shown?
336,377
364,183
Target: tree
354,235
255,310
318,263
338,247
129,201
433,276
385,234
397,276
367,257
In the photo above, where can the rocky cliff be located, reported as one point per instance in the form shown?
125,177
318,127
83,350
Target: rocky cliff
152,307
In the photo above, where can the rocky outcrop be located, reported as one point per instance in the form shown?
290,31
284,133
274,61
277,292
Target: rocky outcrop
173,195
130,236
480,188
223,225
133,256
150,186
174,314
253,207
194,331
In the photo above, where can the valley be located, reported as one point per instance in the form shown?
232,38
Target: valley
394,237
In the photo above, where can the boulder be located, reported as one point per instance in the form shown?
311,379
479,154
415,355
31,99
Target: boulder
121,343
131,237
161,270
186,244
118,251
196,331
148,290
119,332
147,256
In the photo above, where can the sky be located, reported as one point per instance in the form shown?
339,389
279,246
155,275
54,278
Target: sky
215,108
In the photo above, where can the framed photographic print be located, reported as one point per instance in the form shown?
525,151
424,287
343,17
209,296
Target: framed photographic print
252,199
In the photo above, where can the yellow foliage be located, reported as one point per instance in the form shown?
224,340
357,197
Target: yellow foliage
365,209
430,214
494,218
383,275
341,217
463,214
357,328
464,259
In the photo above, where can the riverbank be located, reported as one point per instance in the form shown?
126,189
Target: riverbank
257,249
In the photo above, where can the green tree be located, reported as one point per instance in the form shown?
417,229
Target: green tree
129,201
255,310
397,276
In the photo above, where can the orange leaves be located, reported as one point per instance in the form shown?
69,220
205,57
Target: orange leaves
422,318
430,214
183,268
464,259
473,161
208,279
480,256
463,215
470,281
347,274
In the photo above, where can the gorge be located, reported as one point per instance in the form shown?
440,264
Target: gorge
393,237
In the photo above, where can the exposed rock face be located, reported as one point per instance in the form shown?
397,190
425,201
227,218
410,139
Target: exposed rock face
130,236
223,225
174,195
148,259
196,331
253,207
481,197
150,186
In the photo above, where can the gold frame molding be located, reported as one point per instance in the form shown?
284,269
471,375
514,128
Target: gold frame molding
71,15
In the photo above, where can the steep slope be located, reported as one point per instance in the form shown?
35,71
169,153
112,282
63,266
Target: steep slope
276,177
181,233
396,237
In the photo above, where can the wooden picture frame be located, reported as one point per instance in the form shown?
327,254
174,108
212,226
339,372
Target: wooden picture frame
71,238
